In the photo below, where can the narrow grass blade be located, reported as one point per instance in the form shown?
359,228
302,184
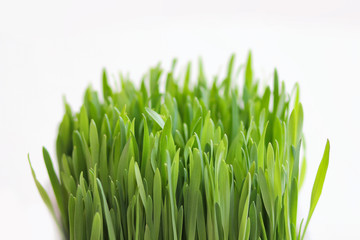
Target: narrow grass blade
318,184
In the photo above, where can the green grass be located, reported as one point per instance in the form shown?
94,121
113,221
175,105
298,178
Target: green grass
196,161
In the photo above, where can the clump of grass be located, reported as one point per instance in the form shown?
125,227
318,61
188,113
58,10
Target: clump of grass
192,162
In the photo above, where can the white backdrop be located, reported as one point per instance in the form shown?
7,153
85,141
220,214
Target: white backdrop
48,50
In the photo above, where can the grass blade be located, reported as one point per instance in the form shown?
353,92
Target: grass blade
318,184
96,228
109,223
155,117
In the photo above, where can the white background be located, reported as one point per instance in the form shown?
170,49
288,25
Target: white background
50,49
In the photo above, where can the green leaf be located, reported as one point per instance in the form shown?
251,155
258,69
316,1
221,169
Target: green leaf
296,124
43,194
244,221
207,132
157,203
187,77
94,143
302,172
293,202
191,194
140,184
146,147
96,227
224,197
248,73
155,117
154,85
84,123
71,212
261,149
200,222
265,193
235,121
219,221
109,223
131,180
318,184
147,235
253,222
79,223
175,172
107,92
103,164
227,81
171,195
55,184
69,182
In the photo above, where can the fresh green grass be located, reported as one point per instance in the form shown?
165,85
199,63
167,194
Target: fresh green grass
194,162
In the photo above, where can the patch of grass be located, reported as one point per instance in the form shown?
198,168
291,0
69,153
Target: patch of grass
193,162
